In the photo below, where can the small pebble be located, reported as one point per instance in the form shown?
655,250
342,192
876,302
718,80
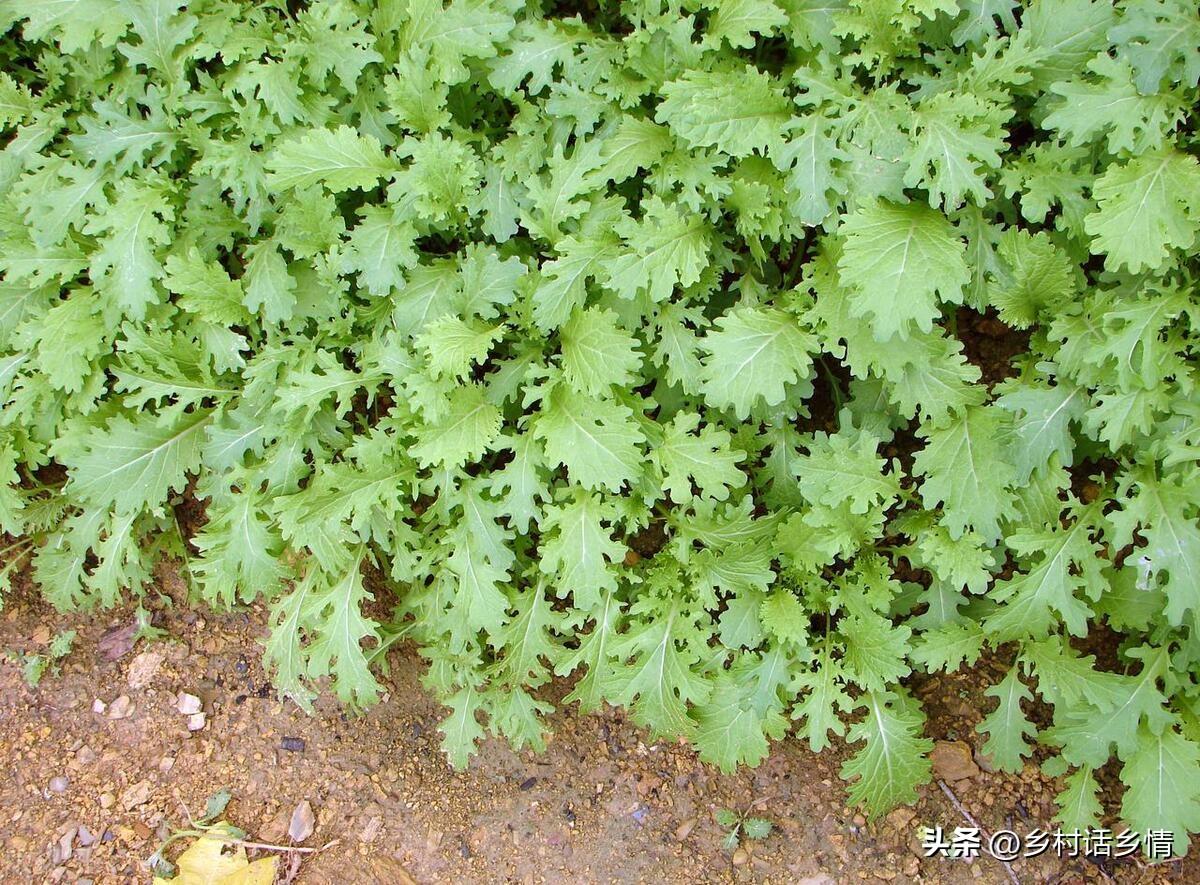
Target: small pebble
187,704
685,829
143,669
952,761
121,708
741,857
98,706
371,830
137,795
302,822
528,783
66,844
196,721
59,784
292,744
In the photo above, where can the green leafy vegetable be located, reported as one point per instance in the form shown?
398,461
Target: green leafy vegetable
637,343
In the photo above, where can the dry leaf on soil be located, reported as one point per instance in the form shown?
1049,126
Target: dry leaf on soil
213,861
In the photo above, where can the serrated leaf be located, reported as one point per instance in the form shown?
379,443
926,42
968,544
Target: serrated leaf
131,465
1145,208
467,430
340,159
894,759
753,354
820,706
460,730
658,683
1078,807
579,550
898,262
756,828
597,352
737,112
595,440
704,458
838,469
1007,726
728,734
1162,788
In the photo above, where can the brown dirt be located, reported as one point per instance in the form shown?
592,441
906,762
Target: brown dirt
989,344
601,804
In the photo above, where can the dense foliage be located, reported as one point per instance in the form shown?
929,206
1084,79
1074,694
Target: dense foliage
480,295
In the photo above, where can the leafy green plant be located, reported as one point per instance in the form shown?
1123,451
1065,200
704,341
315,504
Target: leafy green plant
739,826
34,666
475,297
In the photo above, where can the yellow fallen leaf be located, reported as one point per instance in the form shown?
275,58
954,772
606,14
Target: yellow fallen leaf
261,872
211,861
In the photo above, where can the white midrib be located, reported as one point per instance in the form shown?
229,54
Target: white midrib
767,340
237,441
884,738
595,441
1045,423
154,451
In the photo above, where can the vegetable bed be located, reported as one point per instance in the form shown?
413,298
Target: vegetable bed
637,343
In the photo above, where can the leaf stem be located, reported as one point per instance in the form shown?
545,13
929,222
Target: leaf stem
23,542
201,833
835,386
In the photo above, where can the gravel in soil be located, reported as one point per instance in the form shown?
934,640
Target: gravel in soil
89,795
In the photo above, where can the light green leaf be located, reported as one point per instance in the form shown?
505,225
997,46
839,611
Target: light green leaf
738,112
596,440
132,465
894,759
967,472
597,352
897,263
753,353
1162,786
340,159
1145,208
1007,726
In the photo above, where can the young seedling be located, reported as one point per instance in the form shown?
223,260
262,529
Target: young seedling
740,826
34,666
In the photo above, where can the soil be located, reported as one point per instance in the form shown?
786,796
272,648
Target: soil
601,804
